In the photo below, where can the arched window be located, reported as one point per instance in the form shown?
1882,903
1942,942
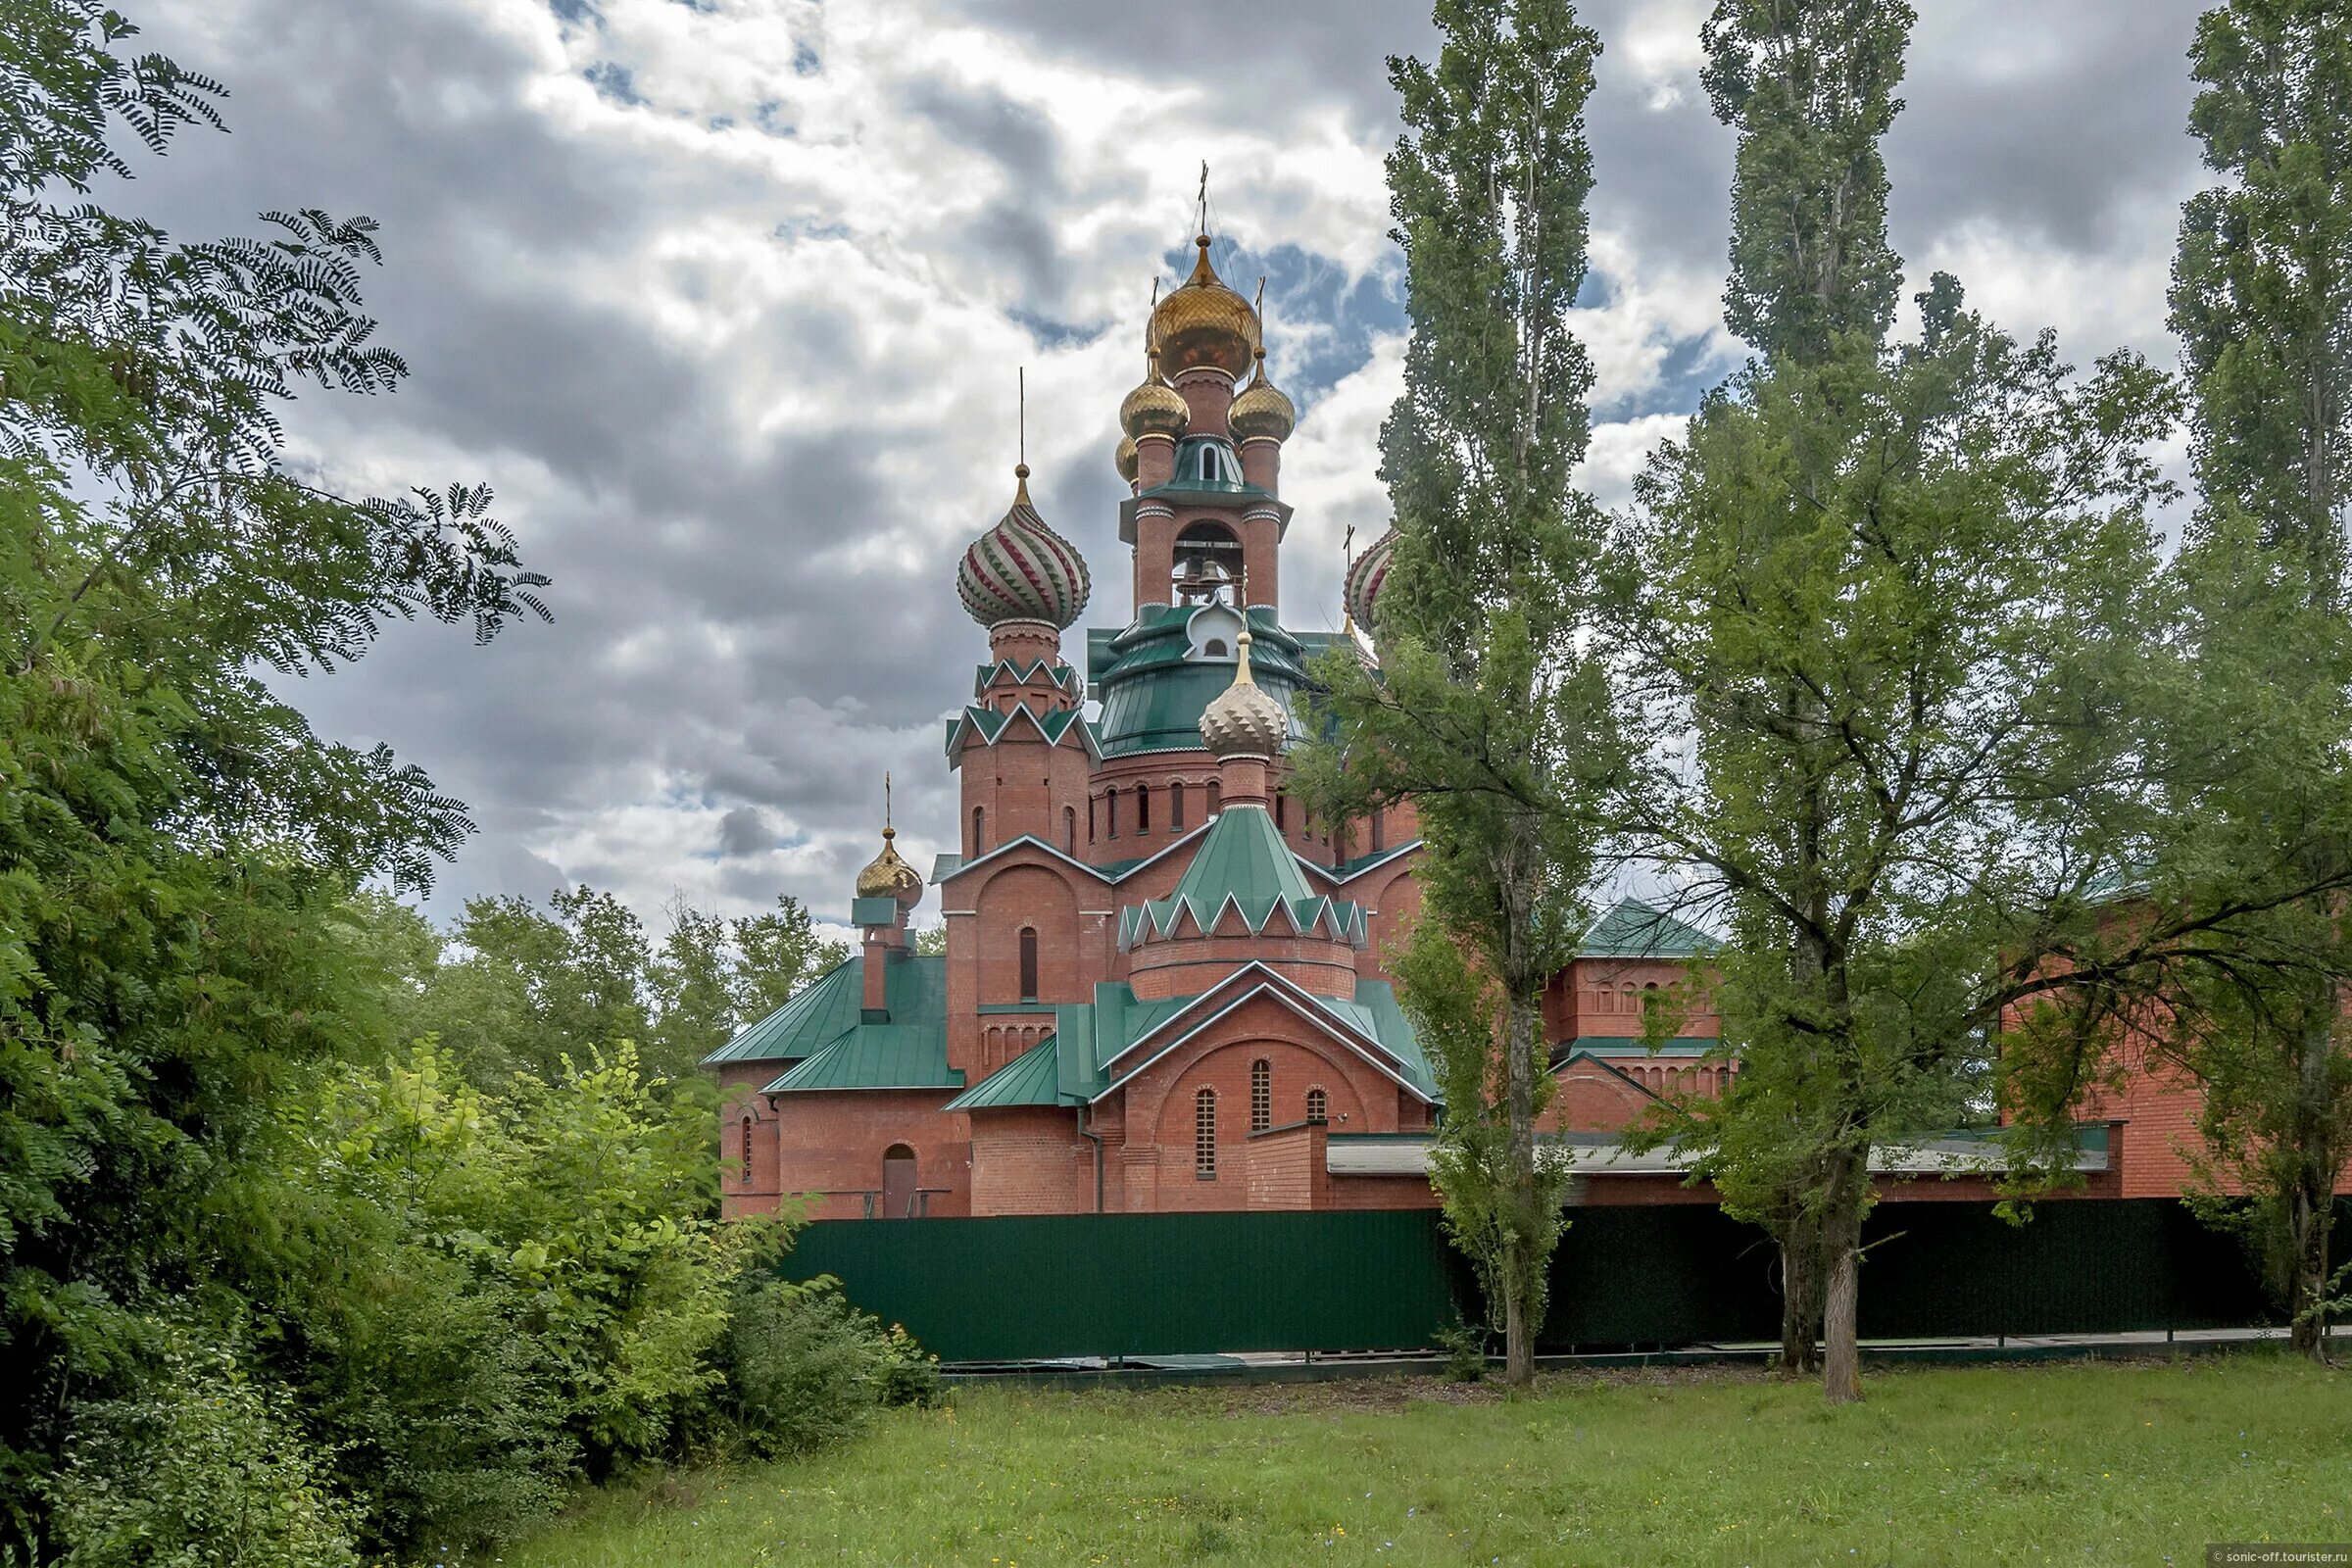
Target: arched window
1207,560
1110,813
1282,813
1176,807
1380,830
1028,964
746,1151
1261,1095
979,831
1069,828
1143,807
1208,460
1318,1105
1216,798
899,1191
1216,648
1090,820
1204,1134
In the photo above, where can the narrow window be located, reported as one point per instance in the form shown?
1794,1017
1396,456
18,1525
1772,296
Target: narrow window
1028,964
747,1150
1380,831
1069,828
1261,1095
1205,1135
1143,808
1318,1105
1216,798
1090,820
1176,807
1110,812
979,831
1282,814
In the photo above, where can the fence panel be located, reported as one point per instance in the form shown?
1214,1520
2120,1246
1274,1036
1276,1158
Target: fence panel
1134,1285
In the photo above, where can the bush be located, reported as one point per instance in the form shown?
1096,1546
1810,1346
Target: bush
1465,1347
910,1373
807,1368
202,1466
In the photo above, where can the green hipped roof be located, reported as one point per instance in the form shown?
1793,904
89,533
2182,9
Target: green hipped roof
1154,692
1632,929
1013,673
818,1013
1071,1066
839,1049
1242,862
1033,1078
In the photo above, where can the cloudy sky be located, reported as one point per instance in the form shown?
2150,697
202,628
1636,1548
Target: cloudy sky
726,299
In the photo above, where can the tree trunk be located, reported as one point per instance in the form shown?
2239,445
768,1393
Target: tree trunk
1842,1242
1523,1269
1801,1298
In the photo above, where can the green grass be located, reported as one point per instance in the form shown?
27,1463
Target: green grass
2105,1465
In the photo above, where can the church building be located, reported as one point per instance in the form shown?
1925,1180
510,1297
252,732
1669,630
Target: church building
1163,988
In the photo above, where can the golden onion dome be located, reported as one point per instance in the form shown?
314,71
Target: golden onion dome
888,875
1203,323
1128,463
1262,409
1153,407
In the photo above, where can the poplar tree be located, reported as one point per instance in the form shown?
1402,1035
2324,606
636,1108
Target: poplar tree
2227,965
1486,713
1882,594
2262,300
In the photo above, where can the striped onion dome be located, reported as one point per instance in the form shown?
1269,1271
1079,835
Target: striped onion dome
1020,569
1262,409
1364,579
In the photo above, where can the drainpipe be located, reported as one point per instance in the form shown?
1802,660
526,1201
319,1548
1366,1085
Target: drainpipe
1088,1132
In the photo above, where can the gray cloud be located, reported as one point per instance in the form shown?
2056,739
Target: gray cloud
737,346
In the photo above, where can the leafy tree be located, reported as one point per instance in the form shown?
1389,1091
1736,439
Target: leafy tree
174,839
1887,597
1486,712
2229,965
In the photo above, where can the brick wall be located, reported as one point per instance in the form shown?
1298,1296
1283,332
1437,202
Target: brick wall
1285,1167
1031,1160
831,1145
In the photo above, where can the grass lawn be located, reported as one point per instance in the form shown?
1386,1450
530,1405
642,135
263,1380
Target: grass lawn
2081,1463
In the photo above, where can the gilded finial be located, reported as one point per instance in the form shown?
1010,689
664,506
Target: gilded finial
888,832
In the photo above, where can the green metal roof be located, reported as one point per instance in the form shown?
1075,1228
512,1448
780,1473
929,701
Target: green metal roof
1153,691
1632,1045
839,1049
1377,1013
990,726
1632,929
1032,1078
1355,864
815,1016
1011,673
1243,864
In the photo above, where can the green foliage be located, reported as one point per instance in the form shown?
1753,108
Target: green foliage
1810,84
202,1465
1464,1345
1486,712
808,1370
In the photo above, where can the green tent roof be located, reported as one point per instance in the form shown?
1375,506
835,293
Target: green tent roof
1632,929
818,1013
1242,862
1033,1078
1153,691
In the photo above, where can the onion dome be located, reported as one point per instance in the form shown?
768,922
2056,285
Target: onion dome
1202,322
1245,720
888,875
1020,569
1365,577
1262,409
1153,407
1129,463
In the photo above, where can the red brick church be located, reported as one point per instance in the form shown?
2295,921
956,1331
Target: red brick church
1162,987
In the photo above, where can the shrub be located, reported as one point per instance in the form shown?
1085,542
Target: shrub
910,1373
1465,1347
201,1466
807,1368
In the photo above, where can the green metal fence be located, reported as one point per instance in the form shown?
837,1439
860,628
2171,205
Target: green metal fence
1137,1285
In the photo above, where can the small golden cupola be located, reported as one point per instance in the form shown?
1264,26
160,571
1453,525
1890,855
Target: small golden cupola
888,875
1201,324
1153,407
1262,409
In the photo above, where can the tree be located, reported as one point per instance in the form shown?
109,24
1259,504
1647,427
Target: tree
714,976
174,839
2233,964
1486,712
